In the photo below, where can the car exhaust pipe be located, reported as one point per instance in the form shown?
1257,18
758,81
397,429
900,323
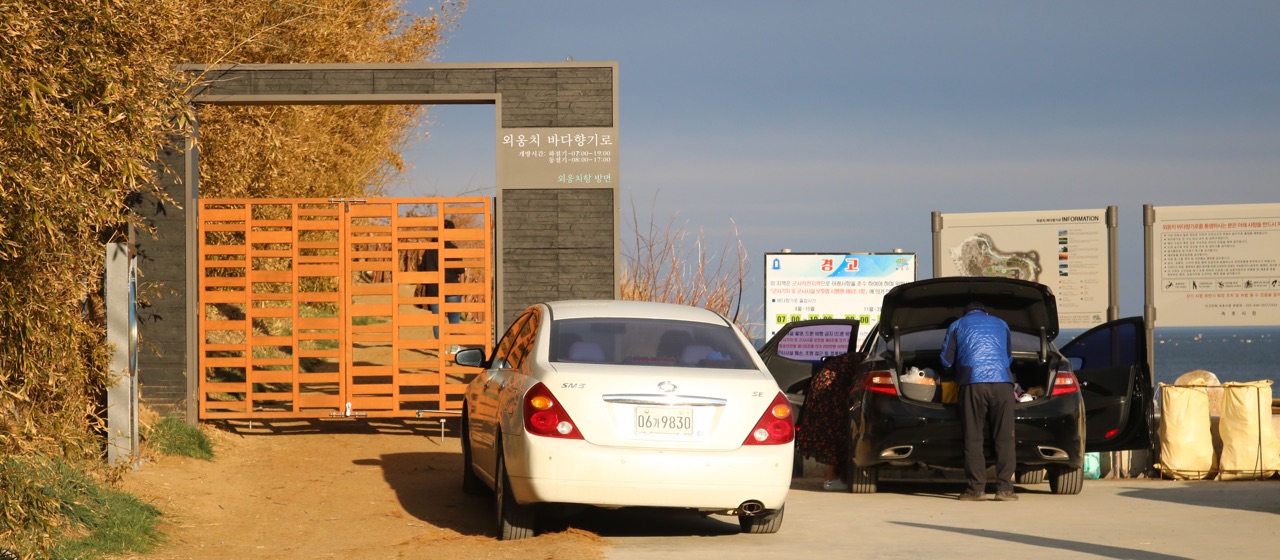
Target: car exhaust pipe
750,507
1052,453
898,452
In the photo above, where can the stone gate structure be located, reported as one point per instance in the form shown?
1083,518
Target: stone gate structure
557,226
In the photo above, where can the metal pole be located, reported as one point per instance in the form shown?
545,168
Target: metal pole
1149,319
936,221
1149,307
1113,264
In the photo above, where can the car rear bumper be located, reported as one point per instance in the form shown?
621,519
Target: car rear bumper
893,431
577,472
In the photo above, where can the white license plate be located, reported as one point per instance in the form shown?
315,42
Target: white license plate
664,420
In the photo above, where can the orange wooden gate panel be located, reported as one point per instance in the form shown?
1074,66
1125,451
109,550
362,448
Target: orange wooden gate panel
315,308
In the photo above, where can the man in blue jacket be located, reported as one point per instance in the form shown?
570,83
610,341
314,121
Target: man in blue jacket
977,345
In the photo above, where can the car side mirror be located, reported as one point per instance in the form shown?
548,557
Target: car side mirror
471,357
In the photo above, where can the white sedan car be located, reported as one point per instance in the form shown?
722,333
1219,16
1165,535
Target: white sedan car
622,403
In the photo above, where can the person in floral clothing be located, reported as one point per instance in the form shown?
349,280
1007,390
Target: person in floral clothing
823,434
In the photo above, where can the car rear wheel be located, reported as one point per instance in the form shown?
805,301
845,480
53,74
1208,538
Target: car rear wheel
515,521
863,480
1031,477
1067,481
471,484
767,522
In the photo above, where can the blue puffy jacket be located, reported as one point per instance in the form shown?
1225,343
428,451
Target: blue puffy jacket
977,344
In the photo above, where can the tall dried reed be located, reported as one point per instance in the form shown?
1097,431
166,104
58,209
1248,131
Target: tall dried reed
664,262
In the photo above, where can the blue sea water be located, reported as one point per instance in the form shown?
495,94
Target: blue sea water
1230,353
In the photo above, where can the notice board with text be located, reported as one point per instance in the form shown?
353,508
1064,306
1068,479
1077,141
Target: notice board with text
803,286
1215,265
1070,251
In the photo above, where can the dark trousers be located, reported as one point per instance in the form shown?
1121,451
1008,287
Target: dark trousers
987,411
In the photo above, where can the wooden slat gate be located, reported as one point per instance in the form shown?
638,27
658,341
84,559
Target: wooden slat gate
320,308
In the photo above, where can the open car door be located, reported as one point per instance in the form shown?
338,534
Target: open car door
1116,383
795,354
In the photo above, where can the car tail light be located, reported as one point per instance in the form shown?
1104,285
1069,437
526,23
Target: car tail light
544,416
1064,383
776,426
880,382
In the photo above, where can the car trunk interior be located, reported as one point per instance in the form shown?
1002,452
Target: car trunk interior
938,383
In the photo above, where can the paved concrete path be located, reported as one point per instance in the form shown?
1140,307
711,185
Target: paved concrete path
1140,519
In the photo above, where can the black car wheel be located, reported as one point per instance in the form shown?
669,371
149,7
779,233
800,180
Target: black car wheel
863,480
766,522
1067,481
1031,477
515,521
471,484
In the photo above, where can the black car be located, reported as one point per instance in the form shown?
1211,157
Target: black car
1094,394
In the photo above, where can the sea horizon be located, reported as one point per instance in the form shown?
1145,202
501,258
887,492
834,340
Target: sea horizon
1239,354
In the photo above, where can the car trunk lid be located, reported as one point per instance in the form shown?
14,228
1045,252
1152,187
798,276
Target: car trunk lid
1026,306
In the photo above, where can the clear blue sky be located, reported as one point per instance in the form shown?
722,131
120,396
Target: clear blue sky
841,125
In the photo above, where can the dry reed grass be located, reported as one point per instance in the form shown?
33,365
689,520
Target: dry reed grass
664,262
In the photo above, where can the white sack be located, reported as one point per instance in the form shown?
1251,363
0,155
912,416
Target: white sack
1186,443
1249,446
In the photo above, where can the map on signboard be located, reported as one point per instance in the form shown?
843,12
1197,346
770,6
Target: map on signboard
978,255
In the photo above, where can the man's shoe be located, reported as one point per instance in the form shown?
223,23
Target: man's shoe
973,497
1006,496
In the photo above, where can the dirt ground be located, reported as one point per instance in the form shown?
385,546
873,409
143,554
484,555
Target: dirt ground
348,489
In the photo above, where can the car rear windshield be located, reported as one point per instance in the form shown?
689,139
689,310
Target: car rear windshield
648,342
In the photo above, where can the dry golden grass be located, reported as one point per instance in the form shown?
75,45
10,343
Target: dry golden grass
665,263
91,94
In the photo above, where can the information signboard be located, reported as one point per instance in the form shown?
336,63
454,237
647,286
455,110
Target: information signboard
557,157
801,286
1069,250
1214,265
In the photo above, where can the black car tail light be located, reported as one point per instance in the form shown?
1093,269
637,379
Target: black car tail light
776,426
544,416
880,382
1064,383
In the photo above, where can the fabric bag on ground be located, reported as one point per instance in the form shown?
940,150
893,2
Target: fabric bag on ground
1092,466
1249,446
1186,444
